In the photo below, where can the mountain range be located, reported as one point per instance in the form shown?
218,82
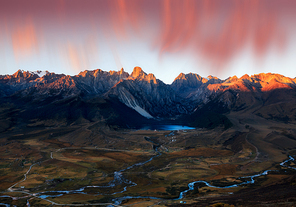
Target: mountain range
120,99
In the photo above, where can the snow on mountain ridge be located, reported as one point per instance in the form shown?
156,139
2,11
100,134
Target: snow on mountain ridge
40,73
142,92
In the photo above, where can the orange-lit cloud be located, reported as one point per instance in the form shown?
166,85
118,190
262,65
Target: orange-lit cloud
80,56
219,30
212,31
77,60
24,40
179,24
126,17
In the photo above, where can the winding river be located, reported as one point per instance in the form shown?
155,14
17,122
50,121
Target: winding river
119,179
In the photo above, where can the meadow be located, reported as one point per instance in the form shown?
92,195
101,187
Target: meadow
57,162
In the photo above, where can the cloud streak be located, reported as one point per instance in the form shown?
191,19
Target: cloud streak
24,40
218,30
214,31
81,55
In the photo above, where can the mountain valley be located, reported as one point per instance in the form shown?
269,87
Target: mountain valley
79,140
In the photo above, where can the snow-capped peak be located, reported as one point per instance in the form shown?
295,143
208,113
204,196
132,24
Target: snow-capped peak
40,73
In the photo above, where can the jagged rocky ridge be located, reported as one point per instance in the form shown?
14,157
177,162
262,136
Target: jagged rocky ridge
267,95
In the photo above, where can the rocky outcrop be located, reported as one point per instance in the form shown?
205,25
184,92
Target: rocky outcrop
98,81
148,95
151,97
94,82
186,83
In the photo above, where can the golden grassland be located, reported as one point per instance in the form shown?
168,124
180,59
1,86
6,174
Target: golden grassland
73,157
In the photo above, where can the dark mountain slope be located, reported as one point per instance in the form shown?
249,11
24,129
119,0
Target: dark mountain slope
129,100
149,96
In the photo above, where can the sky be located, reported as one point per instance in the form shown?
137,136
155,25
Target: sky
164,37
